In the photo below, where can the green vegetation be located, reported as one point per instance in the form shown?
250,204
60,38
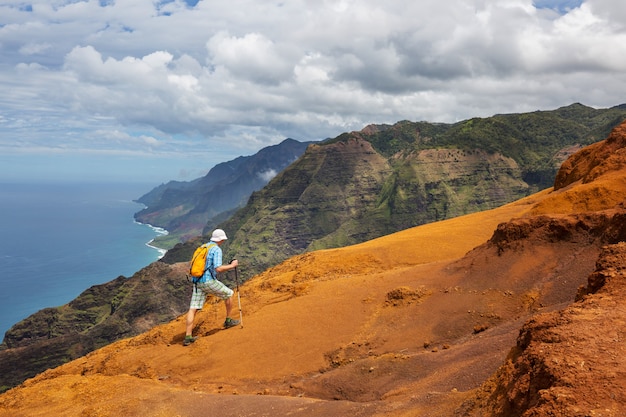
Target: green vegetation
340,192
385,178
167,241
185,209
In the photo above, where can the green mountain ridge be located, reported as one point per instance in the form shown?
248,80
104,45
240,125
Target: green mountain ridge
385,178
185,208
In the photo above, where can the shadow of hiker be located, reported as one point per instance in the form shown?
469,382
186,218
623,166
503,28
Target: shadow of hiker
179,338
213,331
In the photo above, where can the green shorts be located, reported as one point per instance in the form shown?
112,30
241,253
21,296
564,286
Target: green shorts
211,286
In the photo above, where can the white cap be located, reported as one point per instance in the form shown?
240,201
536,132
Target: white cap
218,235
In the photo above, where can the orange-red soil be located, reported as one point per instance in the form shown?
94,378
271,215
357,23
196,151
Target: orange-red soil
411,324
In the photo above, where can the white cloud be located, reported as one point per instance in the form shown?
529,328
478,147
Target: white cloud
612,12
34,48
243,75
253,57
89,66
564,50
267,175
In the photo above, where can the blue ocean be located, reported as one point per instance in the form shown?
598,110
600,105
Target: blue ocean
57,240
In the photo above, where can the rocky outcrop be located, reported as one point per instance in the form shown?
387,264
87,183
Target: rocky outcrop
569,362
602,227
595,160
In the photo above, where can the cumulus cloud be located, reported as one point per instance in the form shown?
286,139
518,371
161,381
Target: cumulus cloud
243,75
251,57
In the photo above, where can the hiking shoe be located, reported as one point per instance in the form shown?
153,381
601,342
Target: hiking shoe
230,323
189,340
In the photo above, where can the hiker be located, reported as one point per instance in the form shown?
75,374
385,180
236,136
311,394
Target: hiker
208,284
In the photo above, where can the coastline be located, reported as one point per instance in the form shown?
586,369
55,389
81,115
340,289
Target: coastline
160,232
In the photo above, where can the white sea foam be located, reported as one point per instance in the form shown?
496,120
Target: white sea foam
162,252
159,231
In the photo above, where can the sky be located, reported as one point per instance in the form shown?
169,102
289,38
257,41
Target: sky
157,90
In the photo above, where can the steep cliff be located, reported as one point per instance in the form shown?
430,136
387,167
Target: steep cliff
514,311
366,184
185,208
569,362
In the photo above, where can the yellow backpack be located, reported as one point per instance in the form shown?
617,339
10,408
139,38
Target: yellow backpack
197,266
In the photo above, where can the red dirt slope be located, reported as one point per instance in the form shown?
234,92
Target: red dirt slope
415,323
570,362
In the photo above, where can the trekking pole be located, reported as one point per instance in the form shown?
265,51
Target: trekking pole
238,298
